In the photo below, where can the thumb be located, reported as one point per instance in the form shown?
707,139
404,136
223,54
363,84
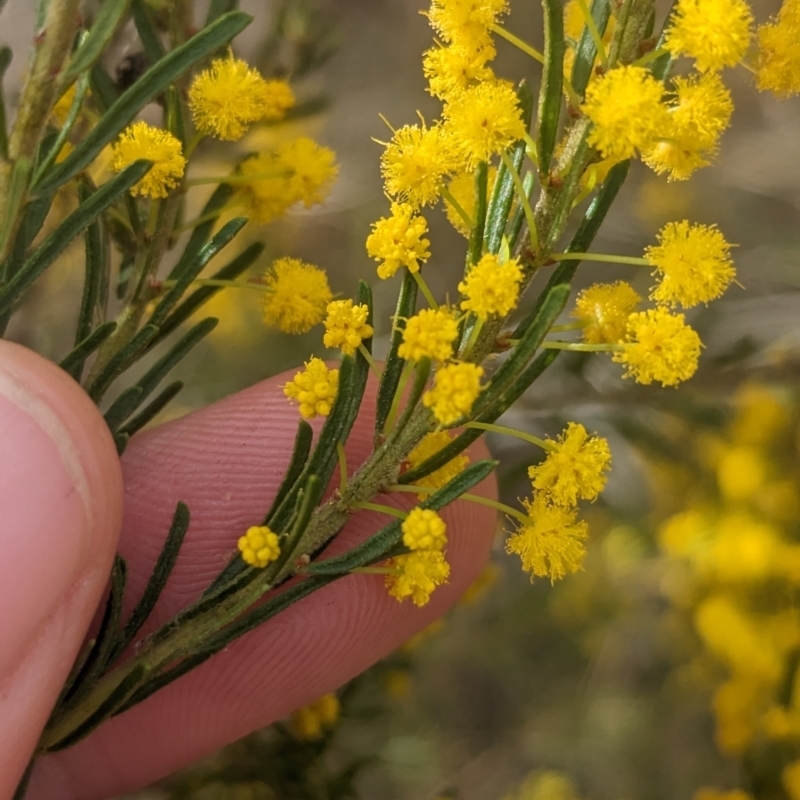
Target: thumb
61,501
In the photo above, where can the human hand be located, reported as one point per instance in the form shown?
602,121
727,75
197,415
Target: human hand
61,494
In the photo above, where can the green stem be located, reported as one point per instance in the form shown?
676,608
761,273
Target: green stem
579,347
523,198
408,369
506,431
448,195
380,508
651,56
376,370
517,42
594,32
472,498
473,338
602,257
425,289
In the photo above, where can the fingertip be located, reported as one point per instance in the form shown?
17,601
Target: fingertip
61,494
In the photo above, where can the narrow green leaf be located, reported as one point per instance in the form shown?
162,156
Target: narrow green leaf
121,361
202,232
153,48
248,622
393,366
75,359
150,411
516,222
123,407
110,16
232,270
195,267
552,83
583,238
265,611
422,371
33,216
300,452
586,51
107,709
72,226
503,192
467,437
151,379
504,381
380,545
155,81
475,248
97,266
104,640
333,431
530,339
104,91
158,579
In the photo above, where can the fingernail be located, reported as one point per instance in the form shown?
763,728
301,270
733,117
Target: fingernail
45,525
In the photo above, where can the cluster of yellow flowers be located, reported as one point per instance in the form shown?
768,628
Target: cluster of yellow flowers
734,570
417,573
550,541
677,132
225,100
692,264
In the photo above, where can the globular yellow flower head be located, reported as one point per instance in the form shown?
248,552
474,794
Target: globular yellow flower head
429,446
455,389
450,70
312,169
625,107
416,162
259,546
143,141
296,296
266,194
551,544
424,529
605,308
313,389
308,723
462,188
778,60
465,20
300,170
346,326
278,99
416,575
575,468
715,33
491,288
399,241
701,112
484,120
429,334
693,262
229,96
659,347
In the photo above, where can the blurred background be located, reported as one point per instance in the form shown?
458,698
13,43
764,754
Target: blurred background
668,664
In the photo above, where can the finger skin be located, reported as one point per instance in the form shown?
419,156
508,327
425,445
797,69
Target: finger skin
61,500
226,462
